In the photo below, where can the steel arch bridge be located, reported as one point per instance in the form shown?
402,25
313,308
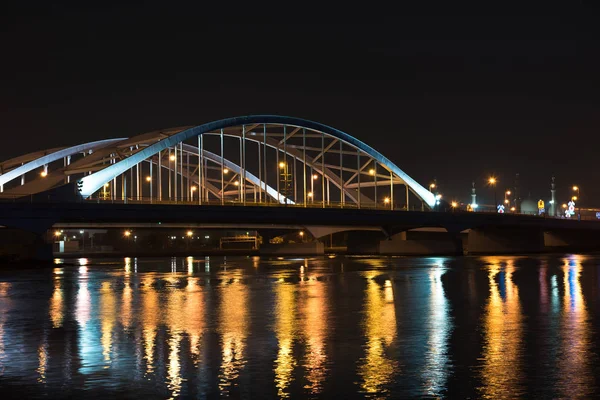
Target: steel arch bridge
250,160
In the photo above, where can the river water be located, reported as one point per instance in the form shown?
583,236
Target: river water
341,327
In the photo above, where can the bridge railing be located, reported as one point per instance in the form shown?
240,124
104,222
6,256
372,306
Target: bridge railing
587,215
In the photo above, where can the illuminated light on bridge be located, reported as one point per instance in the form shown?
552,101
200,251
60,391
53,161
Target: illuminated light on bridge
252,160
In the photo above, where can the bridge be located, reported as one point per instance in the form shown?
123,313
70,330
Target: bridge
261,170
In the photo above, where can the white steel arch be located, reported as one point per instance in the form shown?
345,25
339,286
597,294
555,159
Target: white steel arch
92,183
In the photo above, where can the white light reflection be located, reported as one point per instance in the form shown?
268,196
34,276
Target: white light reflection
436,370
576,377
107,320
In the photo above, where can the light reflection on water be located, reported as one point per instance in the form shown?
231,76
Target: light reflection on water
376,368
287,328
503,329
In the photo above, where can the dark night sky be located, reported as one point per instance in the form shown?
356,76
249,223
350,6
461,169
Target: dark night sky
451,96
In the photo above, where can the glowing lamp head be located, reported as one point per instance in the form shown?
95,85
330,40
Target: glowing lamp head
506,201
315,177
127,233
371,171
574,198
225,171
492,181
57,233
438,196
189,233
44,174
432,186
309,194
508,192
236,183
106,185
301,233
148,179
193,188
172,158
282,165
386,200
454,204
575,188
564,206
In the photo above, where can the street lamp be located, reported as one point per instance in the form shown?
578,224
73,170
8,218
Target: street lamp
225,171
454,205
371,171
82,240
127,233
44,174
192,190
576,189
431,186
282,165
172,158
492,181
315,177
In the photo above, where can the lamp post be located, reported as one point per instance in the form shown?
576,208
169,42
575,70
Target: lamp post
492,181
192,190
578,198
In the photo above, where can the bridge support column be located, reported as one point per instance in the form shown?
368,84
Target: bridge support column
421,244
505,240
